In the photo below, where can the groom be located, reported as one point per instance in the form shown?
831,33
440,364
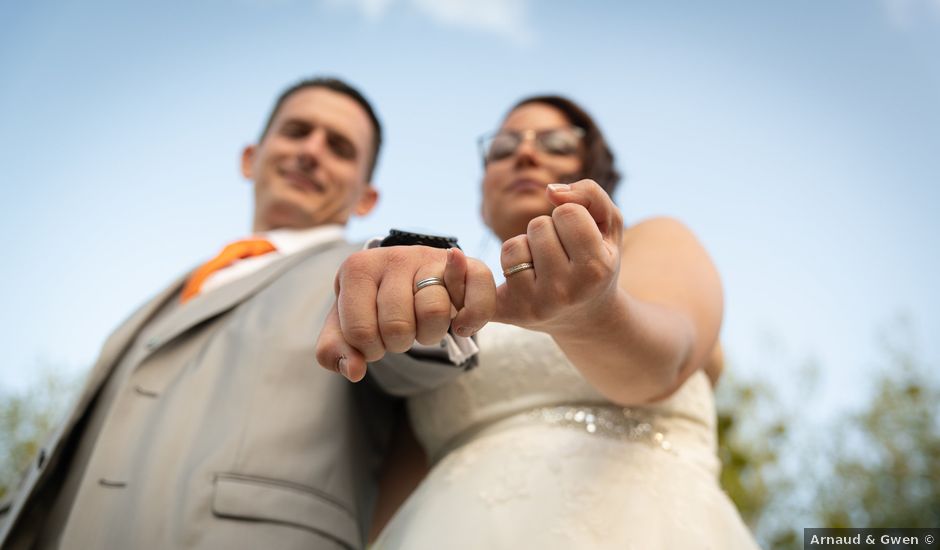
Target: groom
205,422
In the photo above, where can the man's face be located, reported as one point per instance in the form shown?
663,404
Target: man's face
310,168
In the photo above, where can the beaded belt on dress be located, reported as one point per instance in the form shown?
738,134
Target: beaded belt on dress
623,423
620,423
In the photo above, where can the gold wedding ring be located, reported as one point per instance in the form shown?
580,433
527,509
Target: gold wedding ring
517,268
430,281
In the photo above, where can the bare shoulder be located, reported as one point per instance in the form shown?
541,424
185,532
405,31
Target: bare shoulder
662,239
664,261
658,229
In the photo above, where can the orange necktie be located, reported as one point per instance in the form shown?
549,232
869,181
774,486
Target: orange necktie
239,250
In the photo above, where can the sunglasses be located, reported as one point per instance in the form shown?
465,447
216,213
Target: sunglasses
555,142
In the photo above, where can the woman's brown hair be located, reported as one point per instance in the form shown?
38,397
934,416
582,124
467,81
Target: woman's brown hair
597,160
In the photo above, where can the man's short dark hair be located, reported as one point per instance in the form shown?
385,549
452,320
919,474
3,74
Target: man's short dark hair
341,87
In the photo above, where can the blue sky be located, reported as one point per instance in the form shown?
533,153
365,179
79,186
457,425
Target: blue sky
799,140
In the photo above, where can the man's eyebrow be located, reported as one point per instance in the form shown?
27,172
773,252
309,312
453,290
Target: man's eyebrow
339,133
330,129
342,135
313,124
297,122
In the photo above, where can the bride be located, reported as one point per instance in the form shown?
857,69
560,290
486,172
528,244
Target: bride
589,421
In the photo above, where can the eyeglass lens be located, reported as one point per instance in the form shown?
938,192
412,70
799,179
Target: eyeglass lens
559,141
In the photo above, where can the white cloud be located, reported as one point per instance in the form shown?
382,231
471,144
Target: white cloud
505,17
508,18
905,13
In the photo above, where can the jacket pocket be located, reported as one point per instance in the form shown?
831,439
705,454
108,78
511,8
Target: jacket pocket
262,499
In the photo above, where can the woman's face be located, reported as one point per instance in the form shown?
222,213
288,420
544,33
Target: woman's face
514,182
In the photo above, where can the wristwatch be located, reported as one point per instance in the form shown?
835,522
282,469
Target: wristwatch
397,237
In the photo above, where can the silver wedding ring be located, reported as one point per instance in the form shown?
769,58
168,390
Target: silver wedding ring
517,268
430,281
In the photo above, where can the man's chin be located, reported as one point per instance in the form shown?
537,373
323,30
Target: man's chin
285,215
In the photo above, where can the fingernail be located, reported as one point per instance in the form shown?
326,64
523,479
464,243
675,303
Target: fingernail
559,187
341,366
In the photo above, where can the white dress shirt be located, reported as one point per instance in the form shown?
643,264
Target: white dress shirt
286,241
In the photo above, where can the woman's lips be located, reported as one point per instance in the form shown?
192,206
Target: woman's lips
524,185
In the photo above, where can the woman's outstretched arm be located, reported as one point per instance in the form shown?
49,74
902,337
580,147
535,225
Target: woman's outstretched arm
637,311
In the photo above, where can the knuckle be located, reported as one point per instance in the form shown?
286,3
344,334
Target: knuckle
516,245
355,262
478,271
429,339
397,329
429,252
540,223
358,269
431,336
363,337
567,211
435,310
398,256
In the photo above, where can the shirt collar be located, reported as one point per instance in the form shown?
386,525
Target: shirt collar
289,241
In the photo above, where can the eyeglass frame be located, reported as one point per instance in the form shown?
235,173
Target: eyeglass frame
481,141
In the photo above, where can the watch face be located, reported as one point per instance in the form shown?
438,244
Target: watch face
397,237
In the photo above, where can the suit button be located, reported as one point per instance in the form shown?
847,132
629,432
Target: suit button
145,392
104,482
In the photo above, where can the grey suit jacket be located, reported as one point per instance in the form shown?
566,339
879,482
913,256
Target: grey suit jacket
226,433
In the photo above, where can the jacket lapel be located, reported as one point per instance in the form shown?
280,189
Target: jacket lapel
218,301
116,344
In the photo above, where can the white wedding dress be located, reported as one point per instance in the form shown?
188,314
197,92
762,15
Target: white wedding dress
527,454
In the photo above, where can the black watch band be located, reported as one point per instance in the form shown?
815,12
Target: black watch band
396,237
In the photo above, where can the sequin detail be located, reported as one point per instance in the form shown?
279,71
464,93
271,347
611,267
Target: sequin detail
619,423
